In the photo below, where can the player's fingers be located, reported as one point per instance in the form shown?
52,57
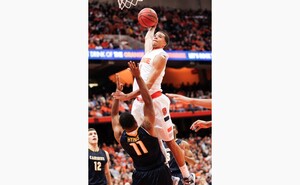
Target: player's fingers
117,79
197,129
118,82
194,125
170,94
129,65
134,64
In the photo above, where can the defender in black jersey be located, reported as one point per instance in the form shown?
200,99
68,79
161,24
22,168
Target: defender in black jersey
99,173
141,143
189,157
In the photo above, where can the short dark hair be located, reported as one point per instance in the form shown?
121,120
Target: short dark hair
126,120
167,38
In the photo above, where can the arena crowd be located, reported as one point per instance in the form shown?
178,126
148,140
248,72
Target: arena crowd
188,29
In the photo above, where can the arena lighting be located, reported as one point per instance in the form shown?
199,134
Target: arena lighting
117,54
91,85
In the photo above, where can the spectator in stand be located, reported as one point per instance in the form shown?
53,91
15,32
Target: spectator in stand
188,29
92,45
96,112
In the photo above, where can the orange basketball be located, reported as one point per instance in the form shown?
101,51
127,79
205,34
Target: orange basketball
147,17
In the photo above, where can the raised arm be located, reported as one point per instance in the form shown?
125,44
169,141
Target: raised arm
149,38
149,115
200,124
194,101
116,126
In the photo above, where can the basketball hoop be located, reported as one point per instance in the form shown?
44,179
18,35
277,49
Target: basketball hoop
127,3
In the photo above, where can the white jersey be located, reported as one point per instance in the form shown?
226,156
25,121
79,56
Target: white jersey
163,123
146,68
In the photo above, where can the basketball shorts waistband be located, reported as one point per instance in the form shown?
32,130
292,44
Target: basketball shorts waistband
154,95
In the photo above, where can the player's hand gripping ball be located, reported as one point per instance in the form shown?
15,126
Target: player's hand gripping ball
147,17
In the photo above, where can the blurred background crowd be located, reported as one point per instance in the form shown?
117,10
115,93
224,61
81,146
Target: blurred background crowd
188,29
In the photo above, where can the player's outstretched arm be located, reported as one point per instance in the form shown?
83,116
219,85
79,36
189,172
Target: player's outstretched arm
200,124
148,107
124,97
117,128
149,39
194,101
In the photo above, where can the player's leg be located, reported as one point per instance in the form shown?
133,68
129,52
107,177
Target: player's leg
164,129
176,180
188,178
137,111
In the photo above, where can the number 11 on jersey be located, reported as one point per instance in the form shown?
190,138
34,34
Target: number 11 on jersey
136,148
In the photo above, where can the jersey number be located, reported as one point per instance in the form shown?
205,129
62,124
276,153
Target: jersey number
168,156
137,150
97,166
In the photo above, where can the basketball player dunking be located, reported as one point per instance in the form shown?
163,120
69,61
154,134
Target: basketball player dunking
152,67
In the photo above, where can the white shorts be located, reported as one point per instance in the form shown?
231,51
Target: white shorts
163,125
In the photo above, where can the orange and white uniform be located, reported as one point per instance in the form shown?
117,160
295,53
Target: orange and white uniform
163,123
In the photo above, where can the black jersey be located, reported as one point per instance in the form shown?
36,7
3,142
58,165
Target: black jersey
144,149
97,161
170,158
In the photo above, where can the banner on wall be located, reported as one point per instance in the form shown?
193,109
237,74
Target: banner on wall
115,54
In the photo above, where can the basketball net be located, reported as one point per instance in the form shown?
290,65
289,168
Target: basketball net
127,3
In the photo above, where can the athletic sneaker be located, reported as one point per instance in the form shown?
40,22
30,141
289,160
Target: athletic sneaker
175,180
189,180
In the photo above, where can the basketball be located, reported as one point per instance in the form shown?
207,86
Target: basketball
147,17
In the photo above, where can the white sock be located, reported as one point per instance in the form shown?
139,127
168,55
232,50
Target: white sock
184,171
